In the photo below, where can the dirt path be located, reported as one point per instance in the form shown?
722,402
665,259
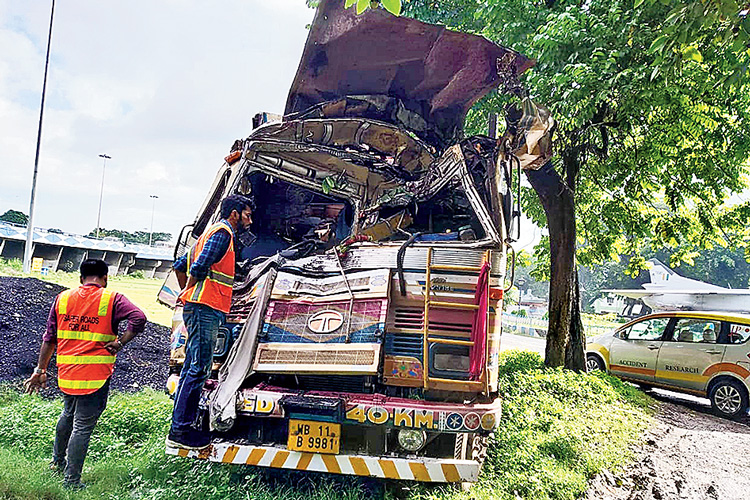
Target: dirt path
688,454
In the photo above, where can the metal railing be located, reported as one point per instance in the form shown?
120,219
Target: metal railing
537,327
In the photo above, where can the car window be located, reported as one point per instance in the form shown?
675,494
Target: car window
738,334
650,329
693,330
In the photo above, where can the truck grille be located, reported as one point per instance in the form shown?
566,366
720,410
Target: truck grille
404,337
334,383
317,358
446,320
404,344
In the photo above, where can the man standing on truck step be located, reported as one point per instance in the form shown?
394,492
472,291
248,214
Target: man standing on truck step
205,274
82,326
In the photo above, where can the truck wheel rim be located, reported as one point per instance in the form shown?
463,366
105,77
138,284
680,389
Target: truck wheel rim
591,365
728,399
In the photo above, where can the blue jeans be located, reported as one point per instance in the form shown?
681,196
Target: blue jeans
202,323
74,428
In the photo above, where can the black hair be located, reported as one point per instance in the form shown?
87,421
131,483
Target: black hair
94,267
235,202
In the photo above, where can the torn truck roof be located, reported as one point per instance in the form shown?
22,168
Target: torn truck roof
426,76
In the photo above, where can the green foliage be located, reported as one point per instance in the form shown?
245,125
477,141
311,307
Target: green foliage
558,428
11,267
392,6
139,237
527,278
703,26
652,107
15,217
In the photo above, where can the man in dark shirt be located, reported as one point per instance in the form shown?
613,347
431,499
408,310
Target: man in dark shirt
82,327
206,274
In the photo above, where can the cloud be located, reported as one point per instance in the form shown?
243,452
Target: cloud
164,87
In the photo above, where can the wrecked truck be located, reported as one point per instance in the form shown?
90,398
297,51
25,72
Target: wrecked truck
365,325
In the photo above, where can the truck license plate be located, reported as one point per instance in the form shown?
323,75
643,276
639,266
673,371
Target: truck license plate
316,437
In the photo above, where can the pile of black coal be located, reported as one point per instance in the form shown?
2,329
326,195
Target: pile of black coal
24,307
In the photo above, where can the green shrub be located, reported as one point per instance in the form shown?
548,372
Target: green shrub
558,429
11,267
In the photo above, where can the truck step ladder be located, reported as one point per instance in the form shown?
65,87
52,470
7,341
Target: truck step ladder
434,382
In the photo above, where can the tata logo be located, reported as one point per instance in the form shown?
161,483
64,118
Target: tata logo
327,321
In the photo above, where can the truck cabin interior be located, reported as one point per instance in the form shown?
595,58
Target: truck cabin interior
290,216
287,216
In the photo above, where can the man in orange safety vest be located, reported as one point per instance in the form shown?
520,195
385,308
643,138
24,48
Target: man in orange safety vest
206,275
82,327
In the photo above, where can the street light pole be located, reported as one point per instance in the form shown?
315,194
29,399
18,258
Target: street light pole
27,251
101,193
153,206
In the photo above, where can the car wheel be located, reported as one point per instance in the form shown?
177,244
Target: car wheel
729,398
594,363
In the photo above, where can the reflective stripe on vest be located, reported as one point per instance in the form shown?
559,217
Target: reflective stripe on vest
103,302
86,386
68,334
85,360
215,290
84,322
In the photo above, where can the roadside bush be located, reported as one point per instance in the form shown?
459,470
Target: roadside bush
11,267
558,429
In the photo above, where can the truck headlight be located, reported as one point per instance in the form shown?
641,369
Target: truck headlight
412,439
172,383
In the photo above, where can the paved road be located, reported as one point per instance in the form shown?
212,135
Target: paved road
508,342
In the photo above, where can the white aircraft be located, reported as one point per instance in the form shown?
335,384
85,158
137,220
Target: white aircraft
670,291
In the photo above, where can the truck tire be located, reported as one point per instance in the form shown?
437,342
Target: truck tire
729,398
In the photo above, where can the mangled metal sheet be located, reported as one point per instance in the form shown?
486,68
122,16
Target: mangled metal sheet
365,145
529,135
420,76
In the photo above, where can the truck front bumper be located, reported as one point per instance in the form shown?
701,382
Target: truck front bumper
415,469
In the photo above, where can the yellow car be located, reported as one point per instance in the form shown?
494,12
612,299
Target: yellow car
702,353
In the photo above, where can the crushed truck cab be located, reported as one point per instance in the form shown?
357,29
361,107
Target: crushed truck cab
365,327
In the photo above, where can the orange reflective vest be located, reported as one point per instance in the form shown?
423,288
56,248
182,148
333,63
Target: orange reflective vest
84,326
216,290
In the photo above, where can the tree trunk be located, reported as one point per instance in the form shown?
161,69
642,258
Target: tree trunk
565,336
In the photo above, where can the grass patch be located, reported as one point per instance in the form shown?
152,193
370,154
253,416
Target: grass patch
11,267
558,429
141,291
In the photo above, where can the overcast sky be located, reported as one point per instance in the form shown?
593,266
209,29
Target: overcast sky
162,86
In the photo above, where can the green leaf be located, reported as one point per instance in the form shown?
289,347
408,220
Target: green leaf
658,44
728,8
637,4
362,5
692,54
392,6
349,3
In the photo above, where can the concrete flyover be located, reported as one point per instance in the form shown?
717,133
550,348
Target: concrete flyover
64,252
